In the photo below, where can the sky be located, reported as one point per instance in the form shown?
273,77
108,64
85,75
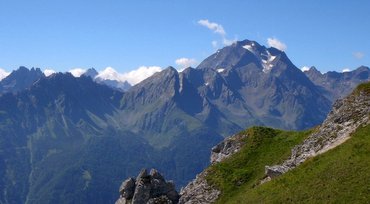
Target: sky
64,35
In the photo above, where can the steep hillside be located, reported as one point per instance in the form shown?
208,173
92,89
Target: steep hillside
338,176
339,147
69,139
59,142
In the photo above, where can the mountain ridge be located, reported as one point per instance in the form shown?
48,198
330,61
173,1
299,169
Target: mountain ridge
233,178
100,135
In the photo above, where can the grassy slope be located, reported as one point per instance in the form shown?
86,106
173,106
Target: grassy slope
341,175
244,170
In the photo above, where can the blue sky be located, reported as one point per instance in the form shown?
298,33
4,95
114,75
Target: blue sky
66,34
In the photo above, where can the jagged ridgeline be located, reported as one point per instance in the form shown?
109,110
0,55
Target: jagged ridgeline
329,163
74,139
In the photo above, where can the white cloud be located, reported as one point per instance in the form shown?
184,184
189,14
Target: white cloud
274,42
346,70
228,42
215,27
49,72
215,44
3,74
305,68
358,55
133,77
109,73
77,72
185,62
219,29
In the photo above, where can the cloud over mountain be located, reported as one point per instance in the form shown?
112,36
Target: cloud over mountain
77,72
185,62
276,43
3,74
305,68
49,72
133,77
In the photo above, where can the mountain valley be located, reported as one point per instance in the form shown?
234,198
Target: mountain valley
74,139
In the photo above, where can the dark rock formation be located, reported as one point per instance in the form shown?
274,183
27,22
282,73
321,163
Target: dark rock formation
147,188
20,79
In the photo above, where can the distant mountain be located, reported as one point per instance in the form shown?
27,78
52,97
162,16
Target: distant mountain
336,85
20,79
116,84
266,85
59,139
92,73
69,139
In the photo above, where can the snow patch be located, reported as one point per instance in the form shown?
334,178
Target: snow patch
248,47
269,63
219,70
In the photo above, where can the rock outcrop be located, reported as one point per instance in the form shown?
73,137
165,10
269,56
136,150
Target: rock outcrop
346,116
198,190
147,188
226,148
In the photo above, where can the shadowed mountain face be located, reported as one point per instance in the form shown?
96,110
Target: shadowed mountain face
66,139
72,140
335,85
20,79
266,85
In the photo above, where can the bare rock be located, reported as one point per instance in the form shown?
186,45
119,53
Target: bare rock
199,191
148,188
226,148
127,188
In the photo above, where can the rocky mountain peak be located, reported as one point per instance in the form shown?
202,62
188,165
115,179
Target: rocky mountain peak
91,72
243,54
20,79
148,188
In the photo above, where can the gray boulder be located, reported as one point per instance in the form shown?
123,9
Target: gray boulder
148,188
127,188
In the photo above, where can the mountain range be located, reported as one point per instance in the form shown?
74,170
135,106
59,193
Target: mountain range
326,164
73,139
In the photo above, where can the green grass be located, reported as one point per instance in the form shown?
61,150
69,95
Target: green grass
364,87
341,175
243,171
